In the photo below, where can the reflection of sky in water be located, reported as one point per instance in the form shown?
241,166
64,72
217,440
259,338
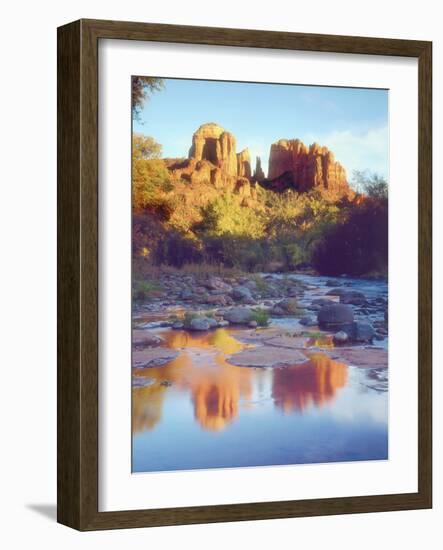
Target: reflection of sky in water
218,415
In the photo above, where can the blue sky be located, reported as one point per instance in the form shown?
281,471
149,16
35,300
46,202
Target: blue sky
352,122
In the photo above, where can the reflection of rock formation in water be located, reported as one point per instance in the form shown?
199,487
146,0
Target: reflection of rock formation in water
216,393
215,387
147,404
219,339
215,404
315,382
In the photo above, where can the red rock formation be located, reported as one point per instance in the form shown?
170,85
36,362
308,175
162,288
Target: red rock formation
214,162
259,175
293,165
211,142
244,164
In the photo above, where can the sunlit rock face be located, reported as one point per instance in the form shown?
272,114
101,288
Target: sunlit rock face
314,383
293,165
244,164
211,142
213,161
213,165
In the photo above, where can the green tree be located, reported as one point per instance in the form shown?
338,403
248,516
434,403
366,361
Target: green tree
358,243
150,176
145,147
283,212
371,184
150,182
142,86
226,216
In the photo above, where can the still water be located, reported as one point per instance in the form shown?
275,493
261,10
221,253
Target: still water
198,411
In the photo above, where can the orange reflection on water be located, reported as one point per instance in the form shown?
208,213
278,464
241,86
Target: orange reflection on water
219,339
147,405
215,386
216,393
313,383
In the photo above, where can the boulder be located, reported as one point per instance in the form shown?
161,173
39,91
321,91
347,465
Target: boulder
341,337
239,316
202,299
187,295
215,283
199,323
146,338
362,332
241,293
251,284
288,341
318,303
213,323
288,305
267,356
217,300
333,283
142,381
153,357
308,321
360,357
336,291
277,311
335,317
353,297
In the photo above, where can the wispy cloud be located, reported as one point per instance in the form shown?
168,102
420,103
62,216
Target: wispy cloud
318,99
366,151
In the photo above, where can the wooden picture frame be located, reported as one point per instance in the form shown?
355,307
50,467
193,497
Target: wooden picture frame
78,273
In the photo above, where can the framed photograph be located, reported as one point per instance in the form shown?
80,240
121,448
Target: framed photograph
244,274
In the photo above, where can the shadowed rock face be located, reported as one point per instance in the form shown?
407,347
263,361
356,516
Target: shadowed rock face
293,165
259,175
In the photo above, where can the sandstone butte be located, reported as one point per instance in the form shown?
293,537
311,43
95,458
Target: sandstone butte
293,165
213,159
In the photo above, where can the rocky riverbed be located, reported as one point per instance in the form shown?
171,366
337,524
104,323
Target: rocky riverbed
282,315
259,370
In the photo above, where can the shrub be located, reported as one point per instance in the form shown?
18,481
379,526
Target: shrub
142,290
189,316
226,216
260,316
358,245
176,249
150,182
262,285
